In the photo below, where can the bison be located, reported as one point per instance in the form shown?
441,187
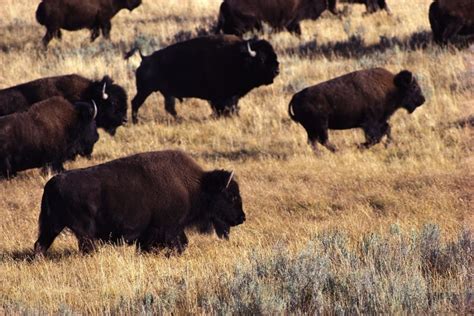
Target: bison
220,69
239,16
148,199
448,21
74,15
49,133
111,99
372,6
363,99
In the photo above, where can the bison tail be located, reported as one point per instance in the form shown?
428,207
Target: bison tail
291,113
41,14
132,52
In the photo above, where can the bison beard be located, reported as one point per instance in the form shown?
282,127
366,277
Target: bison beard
148,199
49,133
111,99
220,69
363,99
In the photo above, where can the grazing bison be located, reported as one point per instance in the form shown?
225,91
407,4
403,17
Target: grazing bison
239,16
49,133
74,15
449,21
147,199
220,69
372,6
363,99
111,99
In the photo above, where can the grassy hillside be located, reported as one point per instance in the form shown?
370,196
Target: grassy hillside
381,230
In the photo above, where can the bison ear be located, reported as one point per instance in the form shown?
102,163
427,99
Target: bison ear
87,111
403,79
216,181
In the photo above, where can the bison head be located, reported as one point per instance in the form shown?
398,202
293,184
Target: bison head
411,95
260,61
86,131
111,100
223,201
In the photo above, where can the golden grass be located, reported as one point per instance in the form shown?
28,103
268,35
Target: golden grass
289,195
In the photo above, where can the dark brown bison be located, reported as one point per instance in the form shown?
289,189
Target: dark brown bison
111,99
74,15
372,6
239,16
49,133
447,22
363,99
148,199
220,69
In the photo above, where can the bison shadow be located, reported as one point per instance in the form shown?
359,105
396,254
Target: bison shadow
27,255
355,46
242,155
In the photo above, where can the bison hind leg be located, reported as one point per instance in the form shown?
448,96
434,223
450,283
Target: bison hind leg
225,107
170,105
106,27
50,33
95,32
320,134
49,230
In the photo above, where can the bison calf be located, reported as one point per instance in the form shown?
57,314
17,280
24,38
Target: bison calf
220,69
147,199
74,15
111,99
363,99
49,133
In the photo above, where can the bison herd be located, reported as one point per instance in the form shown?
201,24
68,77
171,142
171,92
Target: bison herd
46,122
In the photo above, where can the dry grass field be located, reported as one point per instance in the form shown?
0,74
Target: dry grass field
382,230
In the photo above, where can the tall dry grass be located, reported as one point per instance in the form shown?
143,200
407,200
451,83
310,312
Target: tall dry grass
373,231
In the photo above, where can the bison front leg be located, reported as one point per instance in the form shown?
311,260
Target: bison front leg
86,245
294,27
373,134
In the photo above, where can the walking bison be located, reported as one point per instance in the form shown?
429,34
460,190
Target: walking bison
74,15
448,19
111,99
239,16
220,69
49,133
147,199
363,99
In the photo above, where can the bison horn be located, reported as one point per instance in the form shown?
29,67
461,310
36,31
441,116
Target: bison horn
251,52
105,96
95,110
230,179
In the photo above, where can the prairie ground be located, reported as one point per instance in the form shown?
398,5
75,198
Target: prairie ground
380,230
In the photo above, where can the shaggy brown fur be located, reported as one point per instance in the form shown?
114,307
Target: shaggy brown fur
149,198
219,68
111,99
449,19
460,8
80,14
50,132
363,99
239,16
